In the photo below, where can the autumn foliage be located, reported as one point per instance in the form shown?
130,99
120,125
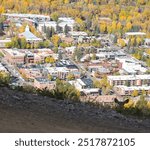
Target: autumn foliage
111,16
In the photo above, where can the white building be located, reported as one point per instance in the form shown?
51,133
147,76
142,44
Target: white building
76,34
147,42
84,85
58,72
85,57
29,16
131,66
70,50
135,34
50,24
3,69
125,90
62,22
105,55
130,80
4,42
29,36
66,19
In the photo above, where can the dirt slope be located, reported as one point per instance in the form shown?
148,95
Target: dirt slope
21,112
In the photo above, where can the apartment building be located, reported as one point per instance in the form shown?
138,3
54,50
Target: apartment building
125,90
129,80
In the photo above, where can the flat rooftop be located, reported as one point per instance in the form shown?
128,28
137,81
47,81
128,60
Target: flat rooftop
43,80
25,15
129,77
78,33
14,52
57,69
132,88
5,40
135,33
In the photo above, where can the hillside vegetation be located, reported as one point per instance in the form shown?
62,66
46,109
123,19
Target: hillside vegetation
26,112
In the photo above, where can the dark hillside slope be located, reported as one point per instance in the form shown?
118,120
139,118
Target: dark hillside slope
21,112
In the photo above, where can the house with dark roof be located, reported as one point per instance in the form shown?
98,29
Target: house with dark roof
85,85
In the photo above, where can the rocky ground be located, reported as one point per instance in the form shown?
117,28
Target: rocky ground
22,112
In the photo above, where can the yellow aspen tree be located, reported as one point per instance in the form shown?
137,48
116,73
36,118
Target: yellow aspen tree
119,26
114,26
128,26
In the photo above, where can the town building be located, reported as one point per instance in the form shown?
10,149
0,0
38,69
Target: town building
131,66
41,54
135,34
85,86
4,42
129,80
29,57
29,21
13,56
50,24
30,74
98,70
29,36
3,69
147,42
61,25
58,72
43,83
67,40
66,21
77,34
105,55
125,90
85,39
70,50
73,69
36,17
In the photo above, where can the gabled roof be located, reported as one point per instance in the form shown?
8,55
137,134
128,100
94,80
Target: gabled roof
29,35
